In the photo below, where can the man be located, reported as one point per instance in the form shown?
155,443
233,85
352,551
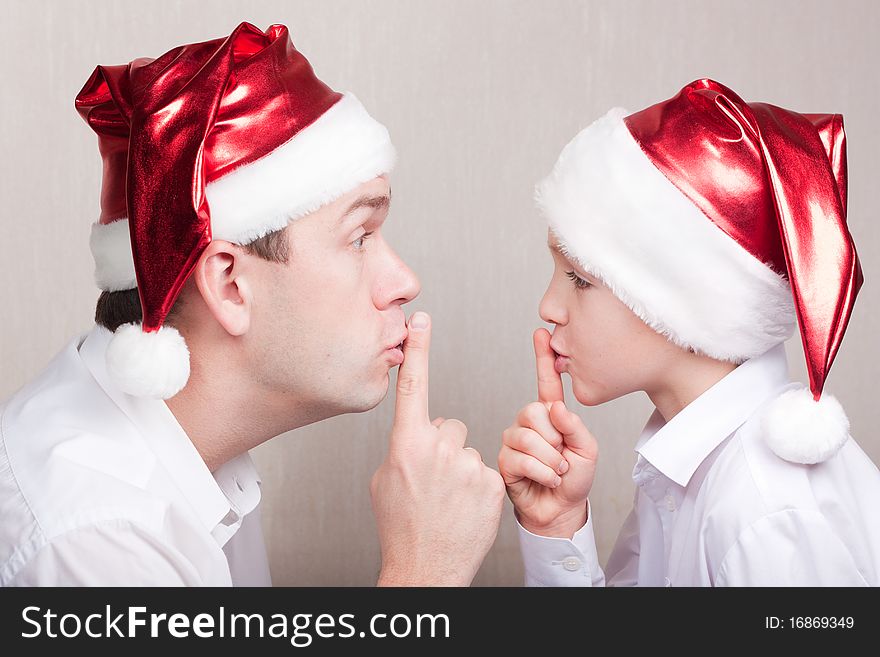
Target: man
247,291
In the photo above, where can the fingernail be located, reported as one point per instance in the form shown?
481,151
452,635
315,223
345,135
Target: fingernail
558,481
419,321
563,467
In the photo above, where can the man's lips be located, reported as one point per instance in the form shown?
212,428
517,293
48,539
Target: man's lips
399,343
396,350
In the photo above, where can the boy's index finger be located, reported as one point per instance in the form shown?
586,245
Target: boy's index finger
549,380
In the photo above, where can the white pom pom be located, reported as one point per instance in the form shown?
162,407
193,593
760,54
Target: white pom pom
154,365
801,430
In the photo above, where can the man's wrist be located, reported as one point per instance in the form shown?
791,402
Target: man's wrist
565,525
390,576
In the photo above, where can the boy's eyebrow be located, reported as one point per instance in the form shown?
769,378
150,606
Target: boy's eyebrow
375,202
554,247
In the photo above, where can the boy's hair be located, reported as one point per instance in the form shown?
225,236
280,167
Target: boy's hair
114,309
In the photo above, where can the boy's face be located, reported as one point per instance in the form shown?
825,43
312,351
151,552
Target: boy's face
606,349
326,323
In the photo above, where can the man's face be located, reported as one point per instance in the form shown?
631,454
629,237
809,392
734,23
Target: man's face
327,323
608,350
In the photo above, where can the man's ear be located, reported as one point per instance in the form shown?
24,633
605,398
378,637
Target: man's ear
224,288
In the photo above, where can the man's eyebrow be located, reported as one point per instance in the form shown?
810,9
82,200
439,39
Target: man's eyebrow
374,202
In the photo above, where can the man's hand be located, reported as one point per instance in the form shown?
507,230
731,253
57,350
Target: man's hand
548,457
437,505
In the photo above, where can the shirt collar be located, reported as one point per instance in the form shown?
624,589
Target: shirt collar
678,447
220,500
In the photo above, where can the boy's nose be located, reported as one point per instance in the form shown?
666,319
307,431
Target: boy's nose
550,310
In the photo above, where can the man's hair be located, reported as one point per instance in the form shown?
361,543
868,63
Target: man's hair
124,307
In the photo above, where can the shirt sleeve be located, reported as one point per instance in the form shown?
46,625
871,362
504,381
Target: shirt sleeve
114,553
553,561
794,547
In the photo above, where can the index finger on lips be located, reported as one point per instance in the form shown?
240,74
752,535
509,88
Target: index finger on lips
411,406
549,380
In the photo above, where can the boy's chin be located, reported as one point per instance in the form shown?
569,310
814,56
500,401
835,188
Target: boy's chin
587,395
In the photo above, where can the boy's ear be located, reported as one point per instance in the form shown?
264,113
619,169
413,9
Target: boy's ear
224,288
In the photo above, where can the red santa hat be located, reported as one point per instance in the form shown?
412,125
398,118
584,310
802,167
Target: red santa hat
722,224
224,139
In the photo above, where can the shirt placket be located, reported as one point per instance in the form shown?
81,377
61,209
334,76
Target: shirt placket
662,492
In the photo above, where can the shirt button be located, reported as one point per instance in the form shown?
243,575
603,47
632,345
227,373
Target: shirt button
670,503
571,563
668,582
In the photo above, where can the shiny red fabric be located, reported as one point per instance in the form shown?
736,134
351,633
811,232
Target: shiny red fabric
169,126
775,181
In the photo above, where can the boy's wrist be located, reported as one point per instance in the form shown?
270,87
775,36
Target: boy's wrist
564,525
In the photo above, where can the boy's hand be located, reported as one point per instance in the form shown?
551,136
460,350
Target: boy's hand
548,457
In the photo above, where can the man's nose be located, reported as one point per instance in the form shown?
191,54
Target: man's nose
410,286
401,284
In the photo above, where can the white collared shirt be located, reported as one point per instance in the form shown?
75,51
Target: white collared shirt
714,506
101,488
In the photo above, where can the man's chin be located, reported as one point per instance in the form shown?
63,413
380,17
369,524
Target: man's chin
369,396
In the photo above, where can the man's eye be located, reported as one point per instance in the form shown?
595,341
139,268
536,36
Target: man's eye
579,282
359,242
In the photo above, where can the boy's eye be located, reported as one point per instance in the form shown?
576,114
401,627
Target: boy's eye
579,282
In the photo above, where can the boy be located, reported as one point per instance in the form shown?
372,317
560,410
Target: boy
689,239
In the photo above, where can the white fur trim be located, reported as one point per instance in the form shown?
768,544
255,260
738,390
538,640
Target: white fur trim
344,148
154,365
623,221
801,430
111,249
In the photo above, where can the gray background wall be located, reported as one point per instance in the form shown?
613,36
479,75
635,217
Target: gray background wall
479,97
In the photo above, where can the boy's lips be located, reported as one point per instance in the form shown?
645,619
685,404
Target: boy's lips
557,350
562,359
561,364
